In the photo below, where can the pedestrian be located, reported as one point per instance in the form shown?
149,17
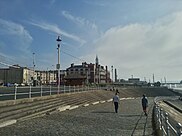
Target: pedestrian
144,104
117,91
116,102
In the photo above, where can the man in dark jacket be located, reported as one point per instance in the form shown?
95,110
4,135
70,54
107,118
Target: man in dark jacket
145,104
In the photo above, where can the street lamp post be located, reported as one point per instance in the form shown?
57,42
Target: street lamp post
33,68
58,65
112,73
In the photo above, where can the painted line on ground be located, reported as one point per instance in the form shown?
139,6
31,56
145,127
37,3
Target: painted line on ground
63,108
129,98
6,123
109,100
94,103
102,101
73,107
85,105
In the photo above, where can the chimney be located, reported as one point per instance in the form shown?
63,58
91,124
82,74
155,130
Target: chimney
106,75
116,75
72,65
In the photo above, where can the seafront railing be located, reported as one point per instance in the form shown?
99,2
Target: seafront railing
13,93
164,126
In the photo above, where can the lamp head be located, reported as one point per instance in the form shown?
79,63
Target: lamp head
58,39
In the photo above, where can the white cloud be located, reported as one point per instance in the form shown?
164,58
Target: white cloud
144,49
79,20
17,34
11,28
55,29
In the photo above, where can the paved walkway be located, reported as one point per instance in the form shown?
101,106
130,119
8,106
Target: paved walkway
94,120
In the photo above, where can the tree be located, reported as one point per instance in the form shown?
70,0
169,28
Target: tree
158,84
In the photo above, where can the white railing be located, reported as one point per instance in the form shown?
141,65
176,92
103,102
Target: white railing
163,125
30,91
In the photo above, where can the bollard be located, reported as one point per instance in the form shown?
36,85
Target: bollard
179,129
167,124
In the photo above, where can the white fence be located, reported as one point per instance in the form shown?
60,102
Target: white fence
13,93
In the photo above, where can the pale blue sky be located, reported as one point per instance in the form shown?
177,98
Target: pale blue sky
138,37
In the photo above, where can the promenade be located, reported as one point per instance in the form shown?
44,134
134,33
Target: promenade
93,120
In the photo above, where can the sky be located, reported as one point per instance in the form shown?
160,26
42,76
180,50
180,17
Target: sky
139,38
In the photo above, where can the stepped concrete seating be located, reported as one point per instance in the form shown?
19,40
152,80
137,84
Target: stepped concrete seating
23,110
29,108
94,120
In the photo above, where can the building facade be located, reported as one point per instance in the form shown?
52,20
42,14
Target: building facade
83,74
87,74
25,76
16,74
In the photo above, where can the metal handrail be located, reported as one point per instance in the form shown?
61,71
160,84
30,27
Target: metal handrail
163,124
45,91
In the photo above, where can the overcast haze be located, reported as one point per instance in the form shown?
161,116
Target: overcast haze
137,37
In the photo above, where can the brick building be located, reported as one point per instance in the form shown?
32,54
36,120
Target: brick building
87,74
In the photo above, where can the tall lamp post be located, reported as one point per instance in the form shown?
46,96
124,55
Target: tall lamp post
33,69
58,65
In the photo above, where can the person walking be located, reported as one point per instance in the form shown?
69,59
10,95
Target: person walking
144,104
116,102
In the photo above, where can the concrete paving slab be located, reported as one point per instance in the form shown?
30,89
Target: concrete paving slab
94,120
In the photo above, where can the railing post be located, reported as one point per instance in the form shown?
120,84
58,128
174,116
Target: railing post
50,89
64,88
82,88
15,92
41,90
179,129
157,115
167,124
74,88
161,118
69,89
30,91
